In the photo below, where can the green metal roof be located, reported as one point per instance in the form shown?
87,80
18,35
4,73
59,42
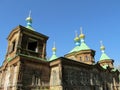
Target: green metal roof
105,66
83,46
9,59
29,27
114,69
79,46
104,56
75,49
53,57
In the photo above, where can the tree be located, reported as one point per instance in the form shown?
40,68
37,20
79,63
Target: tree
118,67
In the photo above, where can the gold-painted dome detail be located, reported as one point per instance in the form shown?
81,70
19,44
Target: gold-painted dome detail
53,49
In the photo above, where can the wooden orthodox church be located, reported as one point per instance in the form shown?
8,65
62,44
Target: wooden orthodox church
26,68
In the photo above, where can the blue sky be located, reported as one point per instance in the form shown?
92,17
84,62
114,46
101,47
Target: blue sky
59,19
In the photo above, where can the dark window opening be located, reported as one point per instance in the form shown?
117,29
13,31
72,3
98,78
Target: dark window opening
20,76
32,45
12,47
35,80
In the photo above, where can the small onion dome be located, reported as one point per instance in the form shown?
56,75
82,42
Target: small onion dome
53,49
102,48
29,19
82,36
76,39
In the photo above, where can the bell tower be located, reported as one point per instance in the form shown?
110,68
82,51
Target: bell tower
25,61
26,41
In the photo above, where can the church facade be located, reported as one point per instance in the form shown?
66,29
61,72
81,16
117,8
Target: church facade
26,68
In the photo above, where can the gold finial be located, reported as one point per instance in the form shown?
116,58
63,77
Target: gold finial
81,30
54,48
76,38
29,19
54,44
29,13
76,33
81,34
102,46
101,43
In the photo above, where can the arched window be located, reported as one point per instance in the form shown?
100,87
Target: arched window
36,80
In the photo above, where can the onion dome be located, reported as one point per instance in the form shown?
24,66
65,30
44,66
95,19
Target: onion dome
54,53
77,43
77,39
54,49
102,48
104,56
105,60
29,19
79,46
29,22
83,45
82,36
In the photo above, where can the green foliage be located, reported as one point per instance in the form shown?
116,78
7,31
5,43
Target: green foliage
118,67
